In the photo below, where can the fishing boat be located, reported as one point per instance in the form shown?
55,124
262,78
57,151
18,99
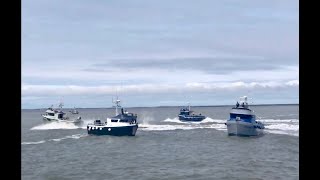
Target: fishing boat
74,111
187,115
242,121
58,115
122,124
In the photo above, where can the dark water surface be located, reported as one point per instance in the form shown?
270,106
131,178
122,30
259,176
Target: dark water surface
163,148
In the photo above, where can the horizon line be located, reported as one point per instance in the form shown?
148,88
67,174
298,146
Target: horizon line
163,106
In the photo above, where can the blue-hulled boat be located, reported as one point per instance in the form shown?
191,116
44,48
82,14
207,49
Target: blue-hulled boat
123,124
187,115
242,121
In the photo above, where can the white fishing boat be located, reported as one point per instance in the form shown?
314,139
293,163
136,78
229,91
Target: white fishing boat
242,121
58,115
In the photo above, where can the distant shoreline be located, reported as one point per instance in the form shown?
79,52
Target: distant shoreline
171,106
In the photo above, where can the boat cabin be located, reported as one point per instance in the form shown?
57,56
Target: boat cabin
98,122
185,111
243,104
53,113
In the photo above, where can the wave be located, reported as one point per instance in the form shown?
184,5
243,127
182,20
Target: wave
274,126
281,115
37,142
284,127
75,136
278,120
291,133
206,120
61,125
170,127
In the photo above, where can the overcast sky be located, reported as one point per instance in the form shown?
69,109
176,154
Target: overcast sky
159,53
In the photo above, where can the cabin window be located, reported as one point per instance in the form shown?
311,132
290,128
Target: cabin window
50,114
242,116
185,113
97,122
123,120
60,116
113,120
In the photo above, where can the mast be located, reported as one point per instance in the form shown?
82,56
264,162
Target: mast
60,105
244,101
117,102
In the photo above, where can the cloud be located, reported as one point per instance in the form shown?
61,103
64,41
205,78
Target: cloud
54,90
164,47
155,75
293,83
214,64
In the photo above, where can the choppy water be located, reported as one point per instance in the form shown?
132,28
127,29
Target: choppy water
163,148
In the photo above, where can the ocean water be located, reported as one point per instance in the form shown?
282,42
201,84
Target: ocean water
163,148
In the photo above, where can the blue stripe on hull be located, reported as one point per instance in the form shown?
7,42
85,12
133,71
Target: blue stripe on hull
191,118
243,120
114,131
243,117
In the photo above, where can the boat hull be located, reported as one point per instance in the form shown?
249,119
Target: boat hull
113,130
191,118
76,121
240,128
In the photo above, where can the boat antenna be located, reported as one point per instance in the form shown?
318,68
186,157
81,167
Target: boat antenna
60,104
254,111
189,102
117,103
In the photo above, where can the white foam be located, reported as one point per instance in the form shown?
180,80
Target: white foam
55,125
206,120
280,115
222,127
37,142
169,127
145,118
75,136
85,123
175,120
274,126
294,133
284,127
154,127
278,120
61,125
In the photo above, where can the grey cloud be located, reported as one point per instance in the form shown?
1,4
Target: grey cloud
208,65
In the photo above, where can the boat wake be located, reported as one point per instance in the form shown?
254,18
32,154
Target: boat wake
38,142
273,126
206,120
61,125
176,124
75,136
282,126
170,127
